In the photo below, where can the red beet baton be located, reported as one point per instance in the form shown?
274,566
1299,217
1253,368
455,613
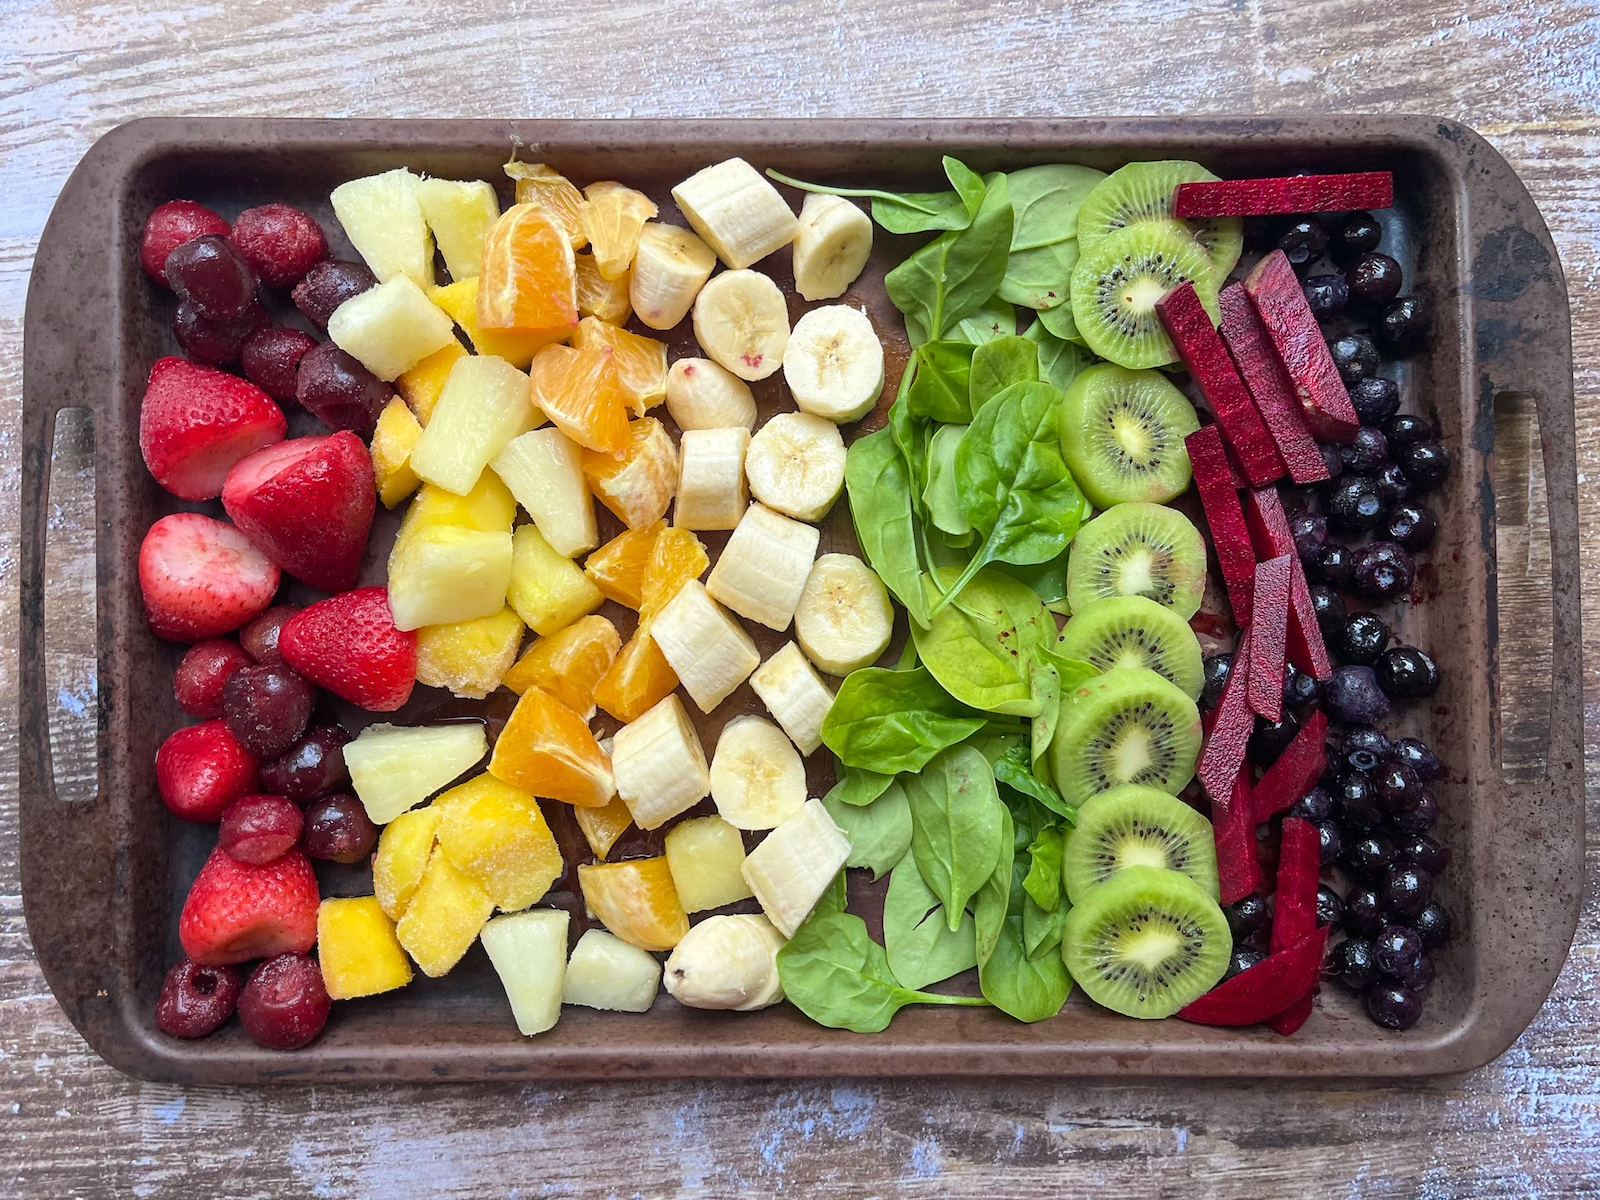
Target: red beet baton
1284,195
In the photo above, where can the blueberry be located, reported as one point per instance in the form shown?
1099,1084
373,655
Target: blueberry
1333,565
1363,638
1416,754
1369,857
1330,841
1359,234
1216,670
1303,242
1382,570
1247,917
1393,486
1405,428
1310,533
1299,689
1352,962
1420,817
1353,695
1426,463
1411,525
1330,908
1332,461
1364,737
1329,607
1393,1006
1366,452
1363,915
1395,949
1400,788
1375,399
1423,852
1356,804
1421,976
1406,673
1433,925
1272,738
1244,957
1403,325
1355,505
1315,806
1326,295
1374,279
1405,891
1355,356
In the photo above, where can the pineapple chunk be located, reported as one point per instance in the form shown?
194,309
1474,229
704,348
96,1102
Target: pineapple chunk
497,834
444,574
470,658
607,973
488,508
421,386
392,443
444,918
706,858
639,486
460,300
548,590
545,473
390,328
486,402
459,213
603,826
659,765
396,767
529,953
358,950
383,219
403,850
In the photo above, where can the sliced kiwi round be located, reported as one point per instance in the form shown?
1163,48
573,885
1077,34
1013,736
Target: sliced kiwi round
1146,942
1143,191
1128,725
1137,826
1138,549
1122,432
1131,631
1118,282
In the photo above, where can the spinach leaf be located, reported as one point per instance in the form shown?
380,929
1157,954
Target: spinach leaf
838,976
857,787
941,497
994,897
1009,756
955,826
908,660
1040,277
834,897
1046,680
1060,322
893,721
1043,880
879,833
1060,361
1027,988
921,948
1046,200
982,647
995,319
998,364
911,212
1041,930
952,276
939,391
879,482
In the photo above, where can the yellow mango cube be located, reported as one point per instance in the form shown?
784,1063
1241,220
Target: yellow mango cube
404,847
460,300
548,590
469,658
358,950
421,385
444,917
706,858
444,574
393,441
497,834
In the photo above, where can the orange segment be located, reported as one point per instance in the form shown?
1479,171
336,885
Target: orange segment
617,568
677,557
569,663
547,749
528,285
640,679
580,392
599,297
638,487
603,826
637,901
641,361
612,216
548,188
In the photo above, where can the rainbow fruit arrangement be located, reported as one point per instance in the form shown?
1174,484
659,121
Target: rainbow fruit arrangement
1018,783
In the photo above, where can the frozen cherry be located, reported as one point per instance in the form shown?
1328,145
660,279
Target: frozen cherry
1299,689
1374,279
213,276
1405,428
1369,857
196,1001
1406,891
257,829
312,767
1363,638
1242,959
280,242
1330,908
1375,399
214,343
1351,961
1333,565
1353,695
1393,486
1363,915
1310,533
1359,234
1315,806
1355,505
1326,295
1411,526
170,226
1330,842
1303,242
339,830
260,637
1247,917
1396,948
339,391
1394,1006
1215,671
1420,817
1355,356
1406,673
267,707
1433,925
1366,452
1422,851
1382,570
1403,325
328,285
1416,754
202,673
270,359
1425,463
285,1004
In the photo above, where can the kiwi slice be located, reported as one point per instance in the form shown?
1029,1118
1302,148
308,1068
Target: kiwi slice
1143,191
1138,549
1128,725
1131,631
1137,826
1146,942
1116,285
1122,432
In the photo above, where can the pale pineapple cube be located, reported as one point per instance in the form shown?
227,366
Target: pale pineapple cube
358,950
489,508
548,590
404,847
383,219
708,650
497,834
639,486
607,973
460,300
392,443
529,953
469,658
706,858
390,328
421,386
445,574
444,918
459,212
545,473
396,767
486,402
659,765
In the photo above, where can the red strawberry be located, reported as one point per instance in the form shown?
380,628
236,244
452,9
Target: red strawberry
308,504
238,911
202,674
201,578
202,769
349,645
196,422
170,226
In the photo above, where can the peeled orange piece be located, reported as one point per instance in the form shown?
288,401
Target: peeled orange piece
603,826
601,298
638,680
617,568
639,486
547,749
677,557
637,901
580,392
568,663
548,188
528,283
612,216
641,361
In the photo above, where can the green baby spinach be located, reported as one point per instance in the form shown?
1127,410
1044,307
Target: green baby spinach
912,212
878,480
1043,880
893,721
857,786
941,495
994,318
1060,322
939,390
1041,277
998,364
954,275
916,935
982,647
955,826
879,832
1060,361
1027,987
994,897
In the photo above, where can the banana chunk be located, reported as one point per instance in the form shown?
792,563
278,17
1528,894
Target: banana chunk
795,695
670,267
742,216
703,395
795,465
763,568
710,651
833,363
832,247
711,491
844,618
727,962
658,764
794,864
742,321
757,778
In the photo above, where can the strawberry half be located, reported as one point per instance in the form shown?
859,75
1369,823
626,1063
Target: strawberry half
349,645
201,769
238,911
196,422
308,504
201,578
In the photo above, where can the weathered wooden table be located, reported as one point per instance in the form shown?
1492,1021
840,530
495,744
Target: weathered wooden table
1526,75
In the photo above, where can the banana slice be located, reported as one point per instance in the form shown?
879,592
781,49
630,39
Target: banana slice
757,778
795,464
741,320
833,363
670,267
795,696
794,864
727,962
844,617
742,216
832,247
710,651
764,566
658,764
703,395
711,492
